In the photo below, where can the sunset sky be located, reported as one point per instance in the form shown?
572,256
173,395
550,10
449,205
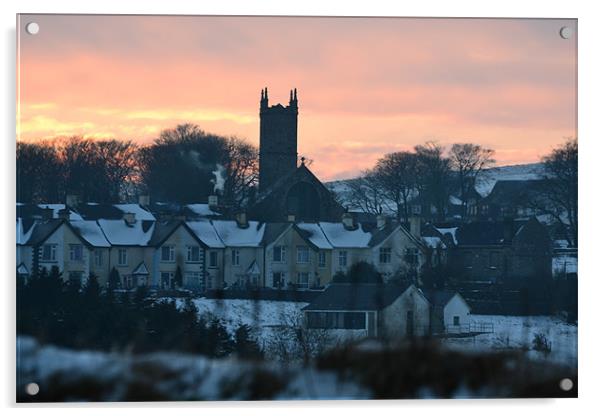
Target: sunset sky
366,86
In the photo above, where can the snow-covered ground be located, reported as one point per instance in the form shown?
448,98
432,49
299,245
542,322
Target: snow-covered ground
517,332
510,332
70,375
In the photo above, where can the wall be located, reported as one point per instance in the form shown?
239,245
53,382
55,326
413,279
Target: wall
392,319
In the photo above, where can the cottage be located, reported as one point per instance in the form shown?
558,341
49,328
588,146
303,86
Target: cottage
370,310
449,311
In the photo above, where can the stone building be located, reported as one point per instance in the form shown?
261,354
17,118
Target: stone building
287,191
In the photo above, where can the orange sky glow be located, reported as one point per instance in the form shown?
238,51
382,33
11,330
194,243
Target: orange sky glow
366,86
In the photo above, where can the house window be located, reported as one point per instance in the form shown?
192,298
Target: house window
322,259
235,257
277,280
342,258
166,279
412,256
168,254
213,259
193,254
279,254
384,256
193,279
484,209
49,252
76,252
122,257
302,254
303,280
97,258
416,209
336,320
456,321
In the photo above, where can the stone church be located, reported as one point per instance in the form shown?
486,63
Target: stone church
288,191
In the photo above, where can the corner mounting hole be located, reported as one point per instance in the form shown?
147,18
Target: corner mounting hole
32,28
32,389
566,32
566,384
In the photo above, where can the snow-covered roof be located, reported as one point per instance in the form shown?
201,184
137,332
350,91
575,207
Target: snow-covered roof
234,236
339,236
57,207
205,232
141,269
24,232
450,230
314,233
202,210
454,200
91,232
22,269
141,213
433,242
119,233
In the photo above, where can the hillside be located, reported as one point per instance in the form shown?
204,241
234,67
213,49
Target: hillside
485,182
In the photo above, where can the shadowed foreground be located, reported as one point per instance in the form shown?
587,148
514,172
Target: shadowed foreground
365,371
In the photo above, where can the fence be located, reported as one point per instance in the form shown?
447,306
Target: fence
472,328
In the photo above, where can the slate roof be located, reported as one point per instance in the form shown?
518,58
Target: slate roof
314,235
438,298
273,230
508,192
42,230
482,233
356,297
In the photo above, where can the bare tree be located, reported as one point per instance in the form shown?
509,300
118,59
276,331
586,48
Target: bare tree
558,194
121,166
365,193
396,177
468,160
434,174
242,171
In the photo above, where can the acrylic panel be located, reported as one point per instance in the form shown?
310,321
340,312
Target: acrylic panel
279,208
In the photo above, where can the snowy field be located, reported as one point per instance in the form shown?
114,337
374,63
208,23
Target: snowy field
510,332
517,332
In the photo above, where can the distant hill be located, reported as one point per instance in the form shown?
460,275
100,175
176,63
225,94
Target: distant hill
485,182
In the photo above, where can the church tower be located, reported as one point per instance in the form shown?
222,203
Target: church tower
277,139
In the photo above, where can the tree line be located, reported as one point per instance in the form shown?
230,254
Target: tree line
428,173
63,313
184,164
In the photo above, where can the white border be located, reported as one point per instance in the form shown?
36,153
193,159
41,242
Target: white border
590,69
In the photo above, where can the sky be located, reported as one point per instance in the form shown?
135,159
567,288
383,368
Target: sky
366,86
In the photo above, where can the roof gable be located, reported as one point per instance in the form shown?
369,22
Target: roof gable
357,297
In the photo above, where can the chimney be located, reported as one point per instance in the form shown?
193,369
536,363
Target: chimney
64,214
241,220
129,218
212,202
381,221
291,218
347,220
144,200
415,226
47,213
71,200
